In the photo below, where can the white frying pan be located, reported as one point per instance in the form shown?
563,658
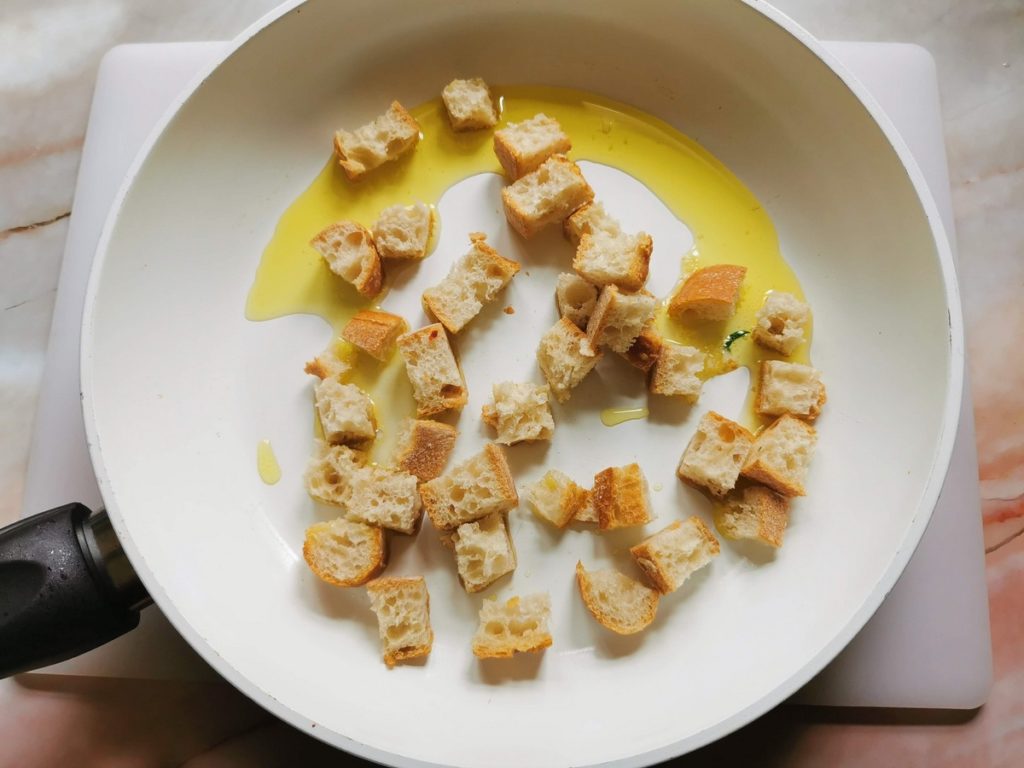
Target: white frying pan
179,387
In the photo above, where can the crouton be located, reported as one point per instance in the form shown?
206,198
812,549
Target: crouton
789,388
673,553
345,553
781,455
710,293
423,448
346,413
385,138
561,359
575,298
384,497
781,322
403,231
374,332
469,105
474,280
519,625
618,319
483,552
350,253
620,497
754,513
330,468
589,219
605,255
643,353
619,603
556,498
522,147
477,487
519,412
676,372
329,364
437,380
545,196
715,454
403,617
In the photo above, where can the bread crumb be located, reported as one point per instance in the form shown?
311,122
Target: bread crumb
509,310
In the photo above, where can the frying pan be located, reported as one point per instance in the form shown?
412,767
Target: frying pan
178,387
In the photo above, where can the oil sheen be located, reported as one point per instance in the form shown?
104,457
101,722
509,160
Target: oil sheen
728,223
266,463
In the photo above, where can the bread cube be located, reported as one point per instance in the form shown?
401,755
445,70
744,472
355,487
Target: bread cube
385,138
643,353
620,497
715,454
523,147
350,253
520,411
618,319
403,617
588,219
673,553
789,388
781,322
575,298
519,625
477,487
710,293
781,455
754,513
605,255
403,231
374,332
469,104
437,381
329,364
474,280
561,358
423,448
344,552
385,497
586,512
346,413
545,196
330,470
483,552
555,498
619,603
676,372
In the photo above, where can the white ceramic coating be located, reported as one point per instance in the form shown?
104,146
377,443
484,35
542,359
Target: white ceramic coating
178,386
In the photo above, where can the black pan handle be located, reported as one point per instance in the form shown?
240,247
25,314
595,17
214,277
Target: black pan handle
66,587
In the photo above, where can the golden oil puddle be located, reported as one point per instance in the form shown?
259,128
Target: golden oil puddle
612,417
266,463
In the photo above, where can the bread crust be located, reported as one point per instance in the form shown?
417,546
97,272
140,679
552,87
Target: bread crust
646,348
620,497
770,509
374,332
374,565
426,449
597,609
710,293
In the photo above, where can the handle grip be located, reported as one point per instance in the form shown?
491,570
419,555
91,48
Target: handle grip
66,587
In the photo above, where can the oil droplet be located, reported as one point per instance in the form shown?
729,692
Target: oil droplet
266,463
611,417
657,486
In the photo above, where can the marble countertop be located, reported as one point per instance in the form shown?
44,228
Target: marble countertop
49,53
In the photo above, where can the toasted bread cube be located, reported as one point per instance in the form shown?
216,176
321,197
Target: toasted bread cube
384,497
477,487
346,413
329,364
469,104
589,219
605,255
790,388
754,513
715,454
643,353
620,497
523,147
437,380
575,298
710,293
545,196
556,498
561,359
403,617
676,372
474,280
781,455
619,603
350,253
423,448
586,512
673,553
618,319
385,138
781,322
520,411
374,332
329,472
519,625
403,231
344,552
483,552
